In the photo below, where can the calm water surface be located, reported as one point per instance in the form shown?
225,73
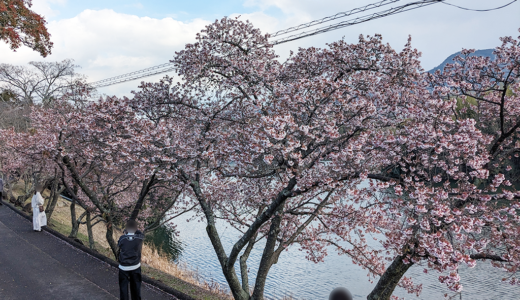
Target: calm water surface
294,275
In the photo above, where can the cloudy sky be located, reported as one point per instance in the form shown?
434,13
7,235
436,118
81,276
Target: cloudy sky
112,37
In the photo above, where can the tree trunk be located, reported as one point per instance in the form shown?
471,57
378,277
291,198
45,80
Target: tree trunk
51,194
76,228
267,257
89,230
229,273
389,280
20,200
147,184
26,183
29,189
74,223
228,263
53,200
243,263
110,237
9,190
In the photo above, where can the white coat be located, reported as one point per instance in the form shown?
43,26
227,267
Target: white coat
39,218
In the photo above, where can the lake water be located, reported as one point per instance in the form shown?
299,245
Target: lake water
294,275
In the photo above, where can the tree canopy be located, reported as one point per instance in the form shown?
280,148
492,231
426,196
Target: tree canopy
19,25
324,150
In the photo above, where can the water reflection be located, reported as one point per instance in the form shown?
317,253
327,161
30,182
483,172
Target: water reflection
296,276
163,239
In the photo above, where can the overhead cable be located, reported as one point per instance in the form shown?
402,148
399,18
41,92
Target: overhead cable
334,17
481,10
377,15
167,67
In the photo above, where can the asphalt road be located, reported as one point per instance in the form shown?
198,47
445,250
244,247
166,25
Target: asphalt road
39,266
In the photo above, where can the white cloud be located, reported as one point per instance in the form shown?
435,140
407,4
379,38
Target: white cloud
261,20
43,7
107,43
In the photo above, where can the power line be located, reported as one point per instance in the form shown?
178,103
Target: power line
334,17
480,10
167,67
134,75
377,15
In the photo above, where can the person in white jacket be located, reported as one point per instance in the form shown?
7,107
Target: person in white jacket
39,217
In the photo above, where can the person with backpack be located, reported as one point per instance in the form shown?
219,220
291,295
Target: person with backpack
129,257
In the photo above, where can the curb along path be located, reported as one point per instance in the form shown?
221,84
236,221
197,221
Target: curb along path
38,265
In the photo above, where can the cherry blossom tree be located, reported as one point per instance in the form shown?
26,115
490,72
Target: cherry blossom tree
114,165
452,200
270,147
329,148
105,159
490,92
278,150
13,168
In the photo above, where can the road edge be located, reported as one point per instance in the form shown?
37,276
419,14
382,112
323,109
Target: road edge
163,287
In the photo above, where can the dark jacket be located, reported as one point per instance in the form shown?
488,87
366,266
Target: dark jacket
130,247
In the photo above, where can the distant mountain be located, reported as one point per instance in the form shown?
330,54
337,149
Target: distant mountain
449,60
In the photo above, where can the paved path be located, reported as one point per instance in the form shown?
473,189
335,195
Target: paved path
39,266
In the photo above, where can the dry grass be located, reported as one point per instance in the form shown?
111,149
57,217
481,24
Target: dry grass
160,261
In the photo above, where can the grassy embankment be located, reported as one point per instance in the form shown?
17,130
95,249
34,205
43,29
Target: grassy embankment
155,264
